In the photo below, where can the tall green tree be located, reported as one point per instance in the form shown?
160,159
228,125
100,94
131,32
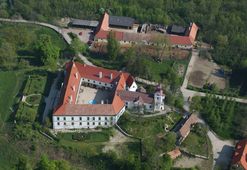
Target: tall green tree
23,164
113,46
48,51
7,55
77,46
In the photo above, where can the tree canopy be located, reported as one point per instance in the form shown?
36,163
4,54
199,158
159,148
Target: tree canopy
113,46
49,53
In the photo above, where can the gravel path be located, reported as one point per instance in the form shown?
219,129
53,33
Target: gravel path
222,150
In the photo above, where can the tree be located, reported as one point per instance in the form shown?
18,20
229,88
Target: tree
195,104
167,162
113,46
23,164
48,51
7,55
62,165
77,46
46,164
169,141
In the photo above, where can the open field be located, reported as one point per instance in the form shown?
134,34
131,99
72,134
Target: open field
10,84
205,71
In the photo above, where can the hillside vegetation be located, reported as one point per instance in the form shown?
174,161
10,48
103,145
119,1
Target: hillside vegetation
223,24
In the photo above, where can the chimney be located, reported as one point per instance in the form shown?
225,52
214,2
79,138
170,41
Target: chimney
111,76
100,74
70,98
76,75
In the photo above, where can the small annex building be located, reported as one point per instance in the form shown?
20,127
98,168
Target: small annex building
93,97
83,23
239,159
185,128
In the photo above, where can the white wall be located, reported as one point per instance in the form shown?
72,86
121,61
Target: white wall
98,83
133,87
78,122
131,105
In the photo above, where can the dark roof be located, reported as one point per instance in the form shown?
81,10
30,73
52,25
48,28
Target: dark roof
78,22
178,29
121,21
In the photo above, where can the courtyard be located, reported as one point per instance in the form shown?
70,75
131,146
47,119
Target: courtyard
90,95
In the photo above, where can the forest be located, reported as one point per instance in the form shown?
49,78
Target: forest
223,24
224,116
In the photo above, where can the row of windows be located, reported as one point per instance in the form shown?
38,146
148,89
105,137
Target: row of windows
99,82
88,118
99,123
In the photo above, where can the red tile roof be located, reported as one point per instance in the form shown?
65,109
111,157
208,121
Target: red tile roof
185,129
104,34
76,71
193,32
104,24
240,154
174,153
180,40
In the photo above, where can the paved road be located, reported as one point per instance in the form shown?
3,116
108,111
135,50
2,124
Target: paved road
222,150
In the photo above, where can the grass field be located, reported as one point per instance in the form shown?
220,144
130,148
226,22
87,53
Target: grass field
196,144
10,84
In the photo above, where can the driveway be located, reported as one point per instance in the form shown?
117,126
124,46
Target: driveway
222,150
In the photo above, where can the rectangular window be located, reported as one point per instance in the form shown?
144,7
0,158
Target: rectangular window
99,118
87,118
93,118
72,123
93,123
80,118
72,118
58,123
87,123
99,123
105,123
105,118
64,123
80,123
105,84
57,118
64,118
99,82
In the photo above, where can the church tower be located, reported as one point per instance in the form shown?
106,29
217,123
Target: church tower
159,99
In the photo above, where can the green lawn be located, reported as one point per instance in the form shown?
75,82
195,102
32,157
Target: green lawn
147,127
10,84
197,143
8,154
35,85
89,143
